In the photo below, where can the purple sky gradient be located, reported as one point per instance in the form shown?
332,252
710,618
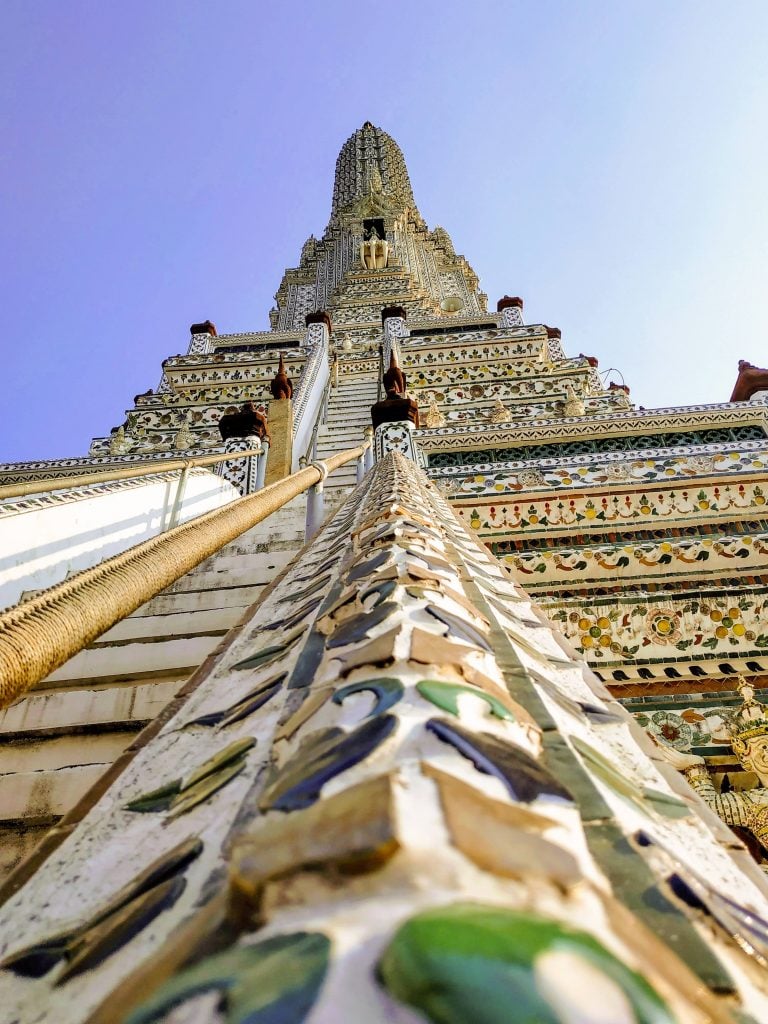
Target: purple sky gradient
163,162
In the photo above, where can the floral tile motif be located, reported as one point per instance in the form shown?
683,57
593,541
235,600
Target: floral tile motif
685,557
628,630
602,508
589,467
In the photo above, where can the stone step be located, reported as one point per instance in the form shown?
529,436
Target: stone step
54,712
360,410
61,737
50,754
43,796
357,398
174,624
192,601
134,659
346,427
339,474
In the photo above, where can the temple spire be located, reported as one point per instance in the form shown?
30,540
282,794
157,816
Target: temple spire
370,164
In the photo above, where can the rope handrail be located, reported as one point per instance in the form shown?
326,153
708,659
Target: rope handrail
308,454
61,483
40,634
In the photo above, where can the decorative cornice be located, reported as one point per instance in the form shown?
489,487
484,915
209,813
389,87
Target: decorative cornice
675,418
259,338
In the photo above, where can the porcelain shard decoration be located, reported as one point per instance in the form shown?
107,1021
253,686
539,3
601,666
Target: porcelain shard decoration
596,713
246,705
182,794
351,832
320,757
460,628
524,778
357,627
150,893
276,981
474,962
387,691
446,696
272,652
745,926
504,839
646,798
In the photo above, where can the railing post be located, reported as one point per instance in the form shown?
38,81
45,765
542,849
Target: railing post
281,430
242,469
368,433
360,469
173,519
315,503
261,465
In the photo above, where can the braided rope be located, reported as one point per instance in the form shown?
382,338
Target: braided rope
39,635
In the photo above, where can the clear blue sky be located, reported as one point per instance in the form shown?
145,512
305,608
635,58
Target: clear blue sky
162,163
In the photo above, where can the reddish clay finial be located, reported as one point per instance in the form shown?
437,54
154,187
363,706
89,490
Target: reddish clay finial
319,317
592,360
281,386
394,378
553,332
507,301
390,311
249,422
751,378
204,328
393,409
613,386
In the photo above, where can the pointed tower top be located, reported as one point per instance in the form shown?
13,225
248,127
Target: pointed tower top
370,161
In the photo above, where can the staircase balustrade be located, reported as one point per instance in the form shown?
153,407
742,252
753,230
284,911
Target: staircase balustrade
40,634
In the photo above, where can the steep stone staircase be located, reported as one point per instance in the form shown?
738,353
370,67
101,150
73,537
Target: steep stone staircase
59,740
349,413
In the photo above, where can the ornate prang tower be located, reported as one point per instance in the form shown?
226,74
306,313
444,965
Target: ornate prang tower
329,675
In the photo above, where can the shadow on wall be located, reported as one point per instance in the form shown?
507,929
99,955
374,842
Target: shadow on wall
46,544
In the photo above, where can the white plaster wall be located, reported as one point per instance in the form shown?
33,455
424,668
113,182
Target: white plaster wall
40,546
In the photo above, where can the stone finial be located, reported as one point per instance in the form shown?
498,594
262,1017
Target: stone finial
251,421
390,311
499,412
184,438
750,380
281,385
394,378
204,328
318,317
572,405
434,417
118,442
394,409
508,301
